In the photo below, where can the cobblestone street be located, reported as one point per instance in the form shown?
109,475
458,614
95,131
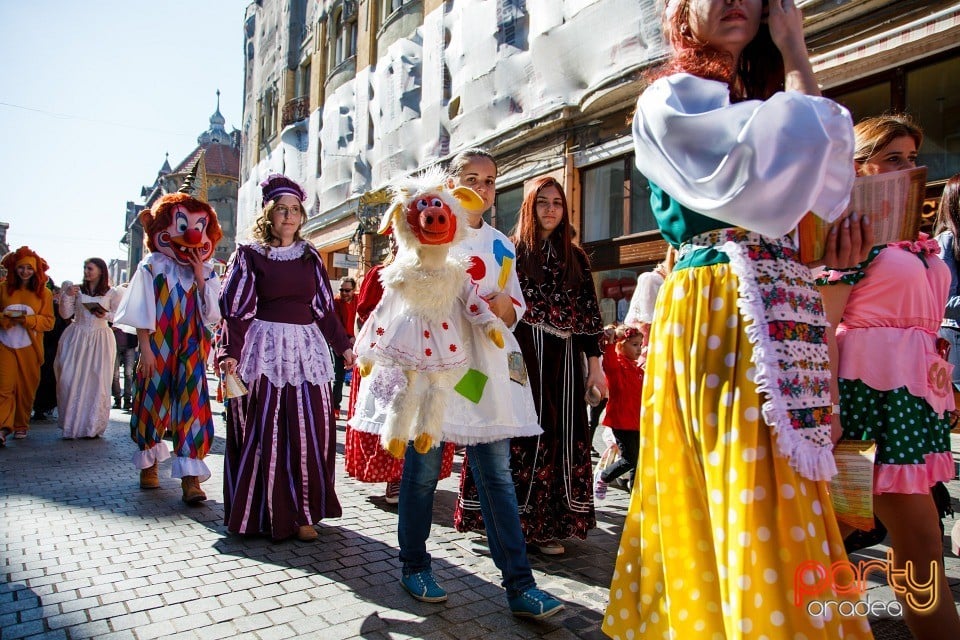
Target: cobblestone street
86,554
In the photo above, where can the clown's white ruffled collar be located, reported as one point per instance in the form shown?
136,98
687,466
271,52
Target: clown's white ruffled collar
173,270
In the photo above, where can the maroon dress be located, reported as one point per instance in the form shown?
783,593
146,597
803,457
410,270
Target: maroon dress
281,439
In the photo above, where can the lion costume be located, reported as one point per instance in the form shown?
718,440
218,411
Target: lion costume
26,312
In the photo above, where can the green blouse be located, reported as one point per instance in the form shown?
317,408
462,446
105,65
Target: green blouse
678,224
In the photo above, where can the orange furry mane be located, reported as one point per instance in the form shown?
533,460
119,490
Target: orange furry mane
40,272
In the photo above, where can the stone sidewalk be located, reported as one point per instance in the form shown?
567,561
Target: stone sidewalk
85,554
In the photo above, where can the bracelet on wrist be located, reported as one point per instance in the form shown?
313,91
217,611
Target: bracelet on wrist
837,276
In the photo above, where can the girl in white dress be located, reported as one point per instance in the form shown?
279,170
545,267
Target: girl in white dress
84,363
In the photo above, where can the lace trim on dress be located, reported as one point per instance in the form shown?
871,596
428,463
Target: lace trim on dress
286,354
282,254
786,325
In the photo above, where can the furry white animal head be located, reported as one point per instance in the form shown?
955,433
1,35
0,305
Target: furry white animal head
428,210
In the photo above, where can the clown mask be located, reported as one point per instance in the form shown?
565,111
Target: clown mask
180,226
186,232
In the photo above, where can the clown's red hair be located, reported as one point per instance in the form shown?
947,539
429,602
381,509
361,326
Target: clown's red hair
159,218
39,279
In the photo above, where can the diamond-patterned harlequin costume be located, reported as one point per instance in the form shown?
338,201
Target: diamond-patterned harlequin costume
164,299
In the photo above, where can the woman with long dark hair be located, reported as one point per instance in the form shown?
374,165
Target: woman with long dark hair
560,327
947,229
84,363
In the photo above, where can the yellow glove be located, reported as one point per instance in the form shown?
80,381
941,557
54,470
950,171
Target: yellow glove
422,443
397,448
365,367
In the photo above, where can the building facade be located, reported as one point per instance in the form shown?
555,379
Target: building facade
216,160
346,95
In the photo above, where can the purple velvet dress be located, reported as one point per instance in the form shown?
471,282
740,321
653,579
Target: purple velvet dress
281,440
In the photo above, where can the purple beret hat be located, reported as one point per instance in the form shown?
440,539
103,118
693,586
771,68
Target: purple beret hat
277,185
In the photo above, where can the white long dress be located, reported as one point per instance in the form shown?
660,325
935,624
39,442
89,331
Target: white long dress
84,366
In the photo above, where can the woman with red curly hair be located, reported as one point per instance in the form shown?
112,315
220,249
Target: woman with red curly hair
27,312
730,518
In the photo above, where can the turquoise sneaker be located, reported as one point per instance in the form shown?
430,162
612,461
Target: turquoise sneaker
534,603
423,586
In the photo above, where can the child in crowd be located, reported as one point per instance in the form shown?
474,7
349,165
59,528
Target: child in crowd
624,356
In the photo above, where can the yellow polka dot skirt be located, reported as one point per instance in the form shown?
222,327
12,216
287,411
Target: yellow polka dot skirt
718,523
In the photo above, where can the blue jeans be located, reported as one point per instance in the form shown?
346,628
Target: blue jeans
953,337
490,466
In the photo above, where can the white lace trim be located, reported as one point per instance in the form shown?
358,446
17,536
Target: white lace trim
808,459
282,254
145,459
183,467
286,354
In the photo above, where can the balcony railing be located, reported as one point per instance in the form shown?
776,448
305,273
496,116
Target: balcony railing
296,110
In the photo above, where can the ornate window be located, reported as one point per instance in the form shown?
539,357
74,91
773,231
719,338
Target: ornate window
343,34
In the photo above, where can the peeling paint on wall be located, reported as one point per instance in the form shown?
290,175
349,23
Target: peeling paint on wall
507,63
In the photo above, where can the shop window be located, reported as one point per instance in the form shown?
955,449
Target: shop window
928,90
616,201
507,209
615,288
933,98
866,102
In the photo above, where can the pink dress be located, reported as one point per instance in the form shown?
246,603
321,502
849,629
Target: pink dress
895,387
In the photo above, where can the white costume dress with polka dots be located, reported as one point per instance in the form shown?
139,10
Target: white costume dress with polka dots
394,336
730,510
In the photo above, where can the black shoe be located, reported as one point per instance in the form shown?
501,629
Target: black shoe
116,403
39,415
863,539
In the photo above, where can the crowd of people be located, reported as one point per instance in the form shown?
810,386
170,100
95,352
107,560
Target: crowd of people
735,373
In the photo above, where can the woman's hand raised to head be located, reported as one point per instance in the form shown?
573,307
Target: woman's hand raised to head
786,25
786,30
848,242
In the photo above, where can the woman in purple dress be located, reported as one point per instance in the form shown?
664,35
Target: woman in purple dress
277,320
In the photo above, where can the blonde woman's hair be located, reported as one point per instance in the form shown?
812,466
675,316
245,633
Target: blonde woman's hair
263,228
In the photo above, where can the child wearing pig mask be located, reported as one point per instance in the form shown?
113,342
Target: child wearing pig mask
172,302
